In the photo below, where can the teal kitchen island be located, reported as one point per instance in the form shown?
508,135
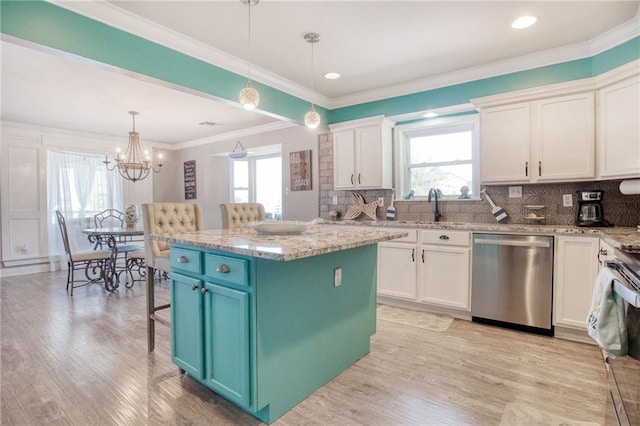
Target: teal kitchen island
266,320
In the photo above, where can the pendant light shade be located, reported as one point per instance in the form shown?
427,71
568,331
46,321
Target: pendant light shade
249,96
312,118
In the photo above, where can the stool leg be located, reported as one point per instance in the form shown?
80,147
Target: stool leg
151,324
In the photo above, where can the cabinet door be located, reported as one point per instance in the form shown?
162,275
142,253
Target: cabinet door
564,138
227,342
505,144
444,276
397,270
344,160
368,158
186,324
575,272
619,130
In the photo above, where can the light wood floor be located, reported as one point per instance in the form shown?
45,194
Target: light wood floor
84,361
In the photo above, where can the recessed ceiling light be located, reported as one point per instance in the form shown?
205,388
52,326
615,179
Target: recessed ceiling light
332,76
430,114
209,123
523,22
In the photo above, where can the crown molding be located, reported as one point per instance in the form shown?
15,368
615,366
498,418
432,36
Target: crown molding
131,23
631,69
265,128
118,18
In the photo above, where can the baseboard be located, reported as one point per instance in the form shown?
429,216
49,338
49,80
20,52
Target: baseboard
423,307
25,270
573,334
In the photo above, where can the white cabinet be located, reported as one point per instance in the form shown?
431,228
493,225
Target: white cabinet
619,129
397,267
444,269
576,266
362,154
547,140
429,266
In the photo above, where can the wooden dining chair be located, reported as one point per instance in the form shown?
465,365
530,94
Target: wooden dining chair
92,262
163,219
236,215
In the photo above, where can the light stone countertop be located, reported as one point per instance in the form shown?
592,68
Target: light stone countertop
623,238
317,239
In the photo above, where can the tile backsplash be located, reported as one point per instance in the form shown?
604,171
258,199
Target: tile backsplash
621,210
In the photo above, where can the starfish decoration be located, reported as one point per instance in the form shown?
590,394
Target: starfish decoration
361,206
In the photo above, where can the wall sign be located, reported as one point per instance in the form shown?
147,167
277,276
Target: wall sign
300,170
190,189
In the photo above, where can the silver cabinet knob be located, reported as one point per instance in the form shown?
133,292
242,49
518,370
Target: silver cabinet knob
204,290
223,268
194,287
183,259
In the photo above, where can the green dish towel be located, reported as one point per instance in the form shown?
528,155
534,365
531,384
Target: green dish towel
606,320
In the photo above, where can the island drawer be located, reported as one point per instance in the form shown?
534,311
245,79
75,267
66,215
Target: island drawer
186,260
445,237
412,236
226,269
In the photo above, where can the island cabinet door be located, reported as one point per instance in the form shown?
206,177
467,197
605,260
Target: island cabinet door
186,324
226,313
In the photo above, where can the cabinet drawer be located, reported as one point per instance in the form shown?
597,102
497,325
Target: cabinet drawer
227,269
186,260
446,237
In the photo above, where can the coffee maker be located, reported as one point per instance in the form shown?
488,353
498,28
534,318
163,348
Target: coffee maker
590,211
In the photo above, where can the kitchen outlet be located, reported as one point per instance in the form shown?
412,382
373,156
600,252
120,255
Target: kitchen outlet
567,200
335,200
380,201
337,277
515,192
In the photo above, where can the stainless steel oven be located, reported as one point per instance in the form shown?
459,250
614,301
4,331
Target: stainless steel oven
623,372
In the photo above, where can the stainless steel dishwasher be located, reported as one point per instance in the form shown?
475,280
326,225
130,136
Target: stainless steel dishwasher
512,281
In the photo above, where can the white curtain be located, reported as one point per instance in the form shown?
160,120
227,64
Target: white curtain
79,186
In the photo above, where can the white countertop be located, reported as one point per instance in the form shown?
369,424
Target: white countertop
318,239
623,238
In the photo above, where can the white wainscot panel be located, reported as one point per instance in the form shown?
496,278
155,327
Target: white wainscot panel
24,189
24,238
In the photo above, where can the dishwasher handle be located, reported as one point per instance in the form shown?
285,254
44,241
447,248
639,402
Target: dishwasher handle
512,243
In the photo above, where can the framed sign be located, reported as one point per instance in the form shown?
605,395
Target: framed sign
300,170
190,189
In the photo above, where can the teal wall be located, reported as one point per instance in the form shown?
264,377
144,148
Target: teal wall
49,25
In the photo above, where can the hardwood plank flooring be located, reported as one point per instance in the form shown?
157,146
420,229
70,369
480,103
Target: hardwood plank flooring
84,361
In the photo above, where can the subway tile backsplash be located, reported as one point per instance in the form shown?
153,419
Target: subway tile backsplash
621,210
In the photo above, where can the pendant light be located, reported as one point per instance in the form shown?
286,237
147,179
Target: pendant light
249,96
312,118
133,165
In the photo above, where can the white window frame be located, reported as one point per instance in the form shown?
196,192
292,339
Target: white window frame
404,131
251,160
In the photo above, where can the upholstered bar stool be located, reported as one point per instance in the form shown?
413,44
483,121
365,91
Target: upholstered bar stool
235,215
163,219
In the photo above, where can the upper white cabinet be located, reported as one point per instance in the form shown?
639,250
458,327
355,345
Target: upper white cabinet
547,140
619,129
362,154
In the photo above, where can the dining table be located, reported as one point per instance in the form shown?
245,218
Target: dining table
111,236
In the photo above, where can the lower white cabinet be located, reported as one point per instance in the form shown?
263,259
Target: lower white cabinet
429,266
576,266
397,267
444,269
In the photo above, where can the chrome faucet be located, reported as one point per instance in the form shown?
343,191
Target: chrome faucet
436,193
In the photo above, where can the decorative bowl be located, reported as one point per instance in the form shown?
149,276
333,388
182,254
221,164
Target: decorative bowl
282,227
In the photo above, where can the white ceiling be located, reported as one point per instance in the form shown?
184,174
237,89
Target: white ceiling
381,49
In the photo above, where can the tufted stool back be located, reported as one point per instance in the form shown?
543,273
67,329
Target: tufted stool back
235,215
163,219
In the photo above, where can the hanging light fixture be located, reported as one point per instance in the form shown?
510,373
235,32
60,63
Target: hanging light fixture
238,152
312,118
133,165
249,96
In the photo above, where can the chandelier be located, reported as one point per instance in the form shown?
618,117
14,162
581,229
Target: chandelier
249,96
133,166
312,118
